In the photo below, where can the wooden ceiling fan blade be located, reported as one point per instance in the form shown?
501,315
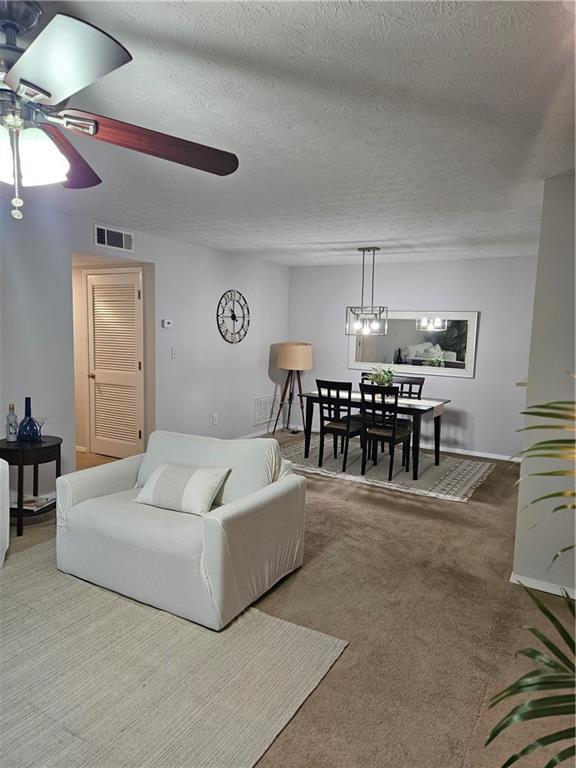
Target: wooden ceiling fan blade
80,175
149,142
68,55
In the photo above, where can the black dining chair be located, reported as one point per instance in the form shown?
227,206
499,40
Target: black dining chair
409,386
336,417
379,408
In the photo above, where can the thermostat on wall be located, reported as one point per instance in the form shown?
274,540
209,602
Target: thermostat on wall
166,323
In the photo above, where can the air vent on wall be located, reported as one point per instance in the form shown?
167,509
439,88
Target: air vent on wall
113,238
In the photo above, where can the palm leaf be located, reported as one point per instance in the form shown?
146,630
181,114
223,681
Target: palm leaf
554,620
543,659
544,741
560,553
565,754
552,647
523,713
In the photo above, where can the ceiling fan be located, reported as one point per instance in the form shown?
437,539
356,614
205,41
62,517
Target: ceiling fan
35,85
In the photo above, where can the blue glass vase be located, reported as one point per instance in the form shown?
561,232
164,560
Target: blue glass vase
28,431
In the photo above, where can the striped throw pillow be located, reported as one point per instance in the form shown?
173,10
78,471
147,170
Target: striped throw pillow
183,488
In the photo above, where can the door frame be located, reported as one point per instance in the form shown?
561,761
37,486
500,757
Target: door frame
81,363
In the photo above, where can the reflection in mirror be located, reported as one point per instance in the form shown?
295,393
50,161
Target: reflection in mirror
412,344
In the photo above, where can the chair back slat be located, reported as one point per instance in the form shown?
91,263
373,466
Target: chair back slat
409,386
335,399
379,407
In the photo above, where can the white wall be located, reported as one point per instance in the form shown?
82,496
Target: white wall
485,411
208,375
539,534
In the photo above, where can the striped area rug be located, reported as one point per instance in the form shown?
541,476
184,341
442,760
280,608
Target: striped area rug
454,479
90,679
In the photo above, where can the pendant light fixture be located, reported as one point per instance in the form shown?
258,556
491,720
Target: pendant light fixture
372,319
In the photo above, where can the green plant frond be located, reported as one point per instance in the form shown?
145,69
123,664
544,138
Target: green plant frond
550,513
553,683
569,602
544,741
562,415
554,620
565,754
552,647
561,455
523,713
554,473
560,553
567,443
568,494
543,659
547,426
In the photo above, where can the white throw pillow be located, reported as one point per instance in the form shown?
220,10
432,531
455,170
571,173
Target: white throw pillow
183,487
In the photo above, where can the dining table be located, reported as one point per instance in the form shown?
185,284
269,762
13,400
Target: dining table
409,406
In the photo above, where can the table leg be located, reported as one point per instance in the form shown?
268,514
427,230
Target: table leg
20,502
416,420
308,425
35,480
437,428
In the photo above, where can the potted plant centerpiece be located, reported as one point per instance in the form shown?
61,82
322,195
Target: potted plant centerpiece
381,376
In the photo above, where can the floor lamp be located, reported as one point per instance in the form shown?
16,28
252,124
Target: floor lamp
294,357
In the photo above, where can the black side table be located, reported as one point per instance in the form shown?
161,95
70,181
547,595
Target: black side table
30,454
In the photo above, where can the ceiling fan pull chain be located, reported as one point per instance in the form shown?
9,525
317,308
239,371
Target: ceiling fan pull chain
17,201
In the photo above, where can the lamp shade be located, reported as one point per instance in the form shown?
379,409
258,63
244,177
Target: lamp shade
295,356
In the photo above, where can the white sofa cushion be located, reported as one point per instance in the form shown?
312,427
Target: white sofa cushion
152,555
183,487
254,464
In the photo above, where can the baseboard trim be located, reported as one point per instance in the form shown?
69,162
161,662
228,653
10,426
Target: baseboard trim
542,586
81,449
479,454
425,446
252,434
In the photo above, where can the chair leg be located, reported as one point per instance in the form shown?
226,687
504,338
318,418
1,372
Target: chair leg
335,445
408,454
341,444
375,452
404,453
392,447
345,460
364,456
321,451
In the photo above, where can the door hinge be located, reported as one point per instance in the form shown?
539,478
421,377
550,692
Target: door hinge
139,365
139,434
139,293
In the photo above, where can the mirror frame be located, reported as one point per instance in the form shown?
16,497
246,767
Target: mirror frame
428,370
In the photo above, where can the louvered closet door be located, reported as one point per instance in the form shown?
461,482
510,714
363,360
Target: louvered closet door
115,355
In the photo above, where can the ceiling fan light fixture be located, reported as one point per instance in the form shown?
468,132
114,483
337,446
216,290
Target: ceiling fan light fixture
41,161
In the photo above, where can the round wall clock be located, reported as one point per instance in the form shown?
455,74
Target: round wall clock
233,316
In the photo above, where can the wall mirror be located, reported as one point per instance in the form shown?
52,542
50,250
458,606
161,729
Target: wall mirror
432,343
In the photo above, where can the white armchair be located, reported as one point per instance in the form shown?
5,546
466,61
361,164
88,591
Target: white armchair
4,511
206,569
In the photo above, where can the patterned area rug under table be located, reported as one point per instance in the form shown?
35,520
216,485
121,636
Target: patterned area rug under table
454,479
91,679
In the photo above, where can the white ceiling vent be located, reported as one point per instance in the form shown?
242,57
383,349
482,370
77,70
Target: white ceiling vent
113,238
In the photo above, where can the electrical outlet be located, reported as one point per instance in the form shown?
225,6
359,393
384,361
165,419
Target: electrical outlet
173,353
215,419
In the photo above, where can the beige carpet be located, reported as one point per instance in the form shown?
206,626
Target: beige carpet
454,479
90,679
421,593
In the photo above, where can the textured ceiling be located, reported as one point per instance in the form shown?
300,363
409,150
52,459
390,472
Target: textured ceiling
425,128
